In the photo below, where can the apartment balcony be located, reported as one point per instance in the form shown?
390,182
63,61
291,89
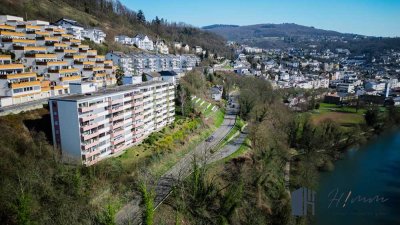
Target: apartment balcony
138,103
116,133
159,120
89,127
148,104
116,109
90,145
115,118
138,117
71,70
86,137
11,66
119,148
92,162
87,108
88,117
138,110
70,78
137,96
149,118
162,89
128,121
52,63
118,141
127,105
117,125
138,124
25,84
139,139
92,153
94,69
137,131
117,101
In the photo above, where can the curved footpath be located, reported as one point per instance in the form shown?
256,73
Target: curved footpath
131,213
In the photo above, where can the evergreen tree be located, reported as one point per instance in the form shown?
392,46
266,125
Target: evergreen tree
140,17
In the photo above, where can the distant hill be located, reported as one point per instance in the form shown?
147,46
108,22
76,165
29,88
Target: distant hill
243,33
114,18
293,35
218,26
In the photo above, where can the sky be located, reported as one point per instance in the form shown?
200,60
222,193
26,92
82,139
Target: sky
366,17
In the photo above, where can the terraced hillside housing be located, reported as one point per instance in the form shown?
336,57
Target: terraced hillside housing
39,60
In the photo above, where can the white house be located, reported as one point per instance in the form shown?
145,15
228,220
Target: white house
94,34
143,42
197,49
177,45
162,47
123,39
186,48
216,92
72,27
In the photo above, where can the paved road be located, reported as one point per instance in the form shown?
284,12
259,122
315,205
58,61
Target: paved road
229,148
131,213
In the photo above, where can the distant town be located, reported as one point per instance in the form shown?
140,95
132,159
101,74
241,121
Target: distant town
342,75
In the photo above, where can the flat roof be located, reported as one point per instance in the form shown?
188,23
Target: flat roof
107,91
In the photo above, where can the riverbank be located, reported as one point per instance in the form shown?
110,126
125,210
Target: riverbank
309,166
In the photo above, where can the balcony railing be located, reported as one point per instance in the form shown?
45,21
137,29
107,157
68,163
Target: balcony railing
90,136
88,117
89,127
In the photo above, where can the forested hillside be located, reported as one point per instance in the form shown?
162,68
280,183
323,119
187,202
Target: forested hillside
114,18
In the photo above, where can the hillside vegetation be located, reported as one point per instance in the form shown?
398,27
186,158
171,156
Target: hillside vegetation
240,33
114,18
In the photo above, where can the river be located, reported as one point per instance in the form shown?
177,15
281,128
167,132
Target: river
369,178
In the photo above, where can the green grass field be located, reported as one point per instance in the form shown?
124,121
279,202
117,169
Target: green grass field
344,115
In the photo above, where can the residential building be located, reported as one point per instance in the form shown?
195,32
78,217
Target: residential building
143,42
72,27
47,60
134,64
90,128
94,34
198,50
123,39
216,92
162,47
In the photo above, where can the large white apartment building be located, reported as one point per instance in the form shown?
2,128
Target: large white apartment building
138,63
89,128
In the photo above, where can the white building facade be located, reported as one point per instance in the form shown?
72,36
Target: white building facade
89,128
